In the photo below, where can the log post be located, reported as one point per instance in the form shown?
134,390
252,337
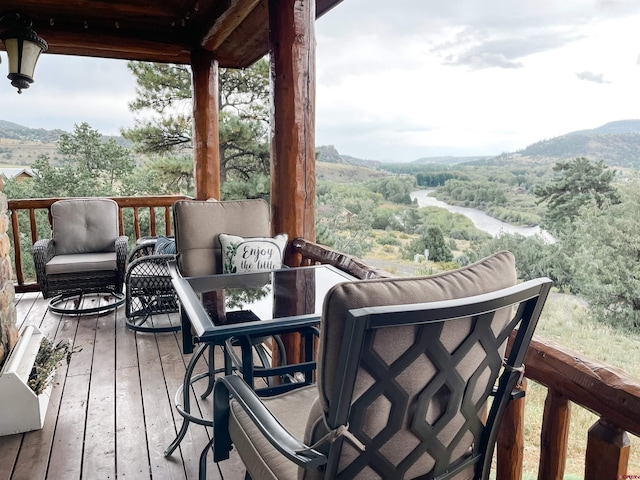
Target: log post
293,167
293,170
608,449
510,443
206,141
554,436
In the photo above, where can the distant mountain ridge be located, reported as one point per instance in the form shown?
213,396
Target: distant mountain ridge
617,143
14,131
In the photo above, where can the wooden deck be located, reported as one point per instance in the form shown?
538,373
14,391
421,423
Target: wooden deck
111,413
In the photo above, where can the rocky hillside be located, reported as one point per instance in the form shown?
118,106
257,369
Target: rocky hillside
617,143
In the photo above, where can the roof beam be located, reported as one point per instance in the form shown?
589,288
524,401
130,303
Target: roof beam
228,16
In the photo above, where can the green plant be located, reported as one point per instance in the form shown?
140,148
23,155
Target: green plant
49,357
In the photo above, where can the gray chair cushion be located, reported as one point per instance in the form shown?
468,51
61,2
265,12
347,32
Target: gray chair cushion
82,262
198,224
84,225
262,459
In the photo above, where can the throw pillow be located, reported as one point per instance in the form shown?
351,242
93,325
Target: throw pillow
165,246
252,254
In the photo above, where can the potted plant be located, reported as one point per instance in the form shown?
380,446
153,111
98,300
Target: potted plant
25,381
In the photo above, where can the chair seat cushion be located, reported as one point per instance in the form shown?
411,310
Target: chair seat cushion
81,262
292,410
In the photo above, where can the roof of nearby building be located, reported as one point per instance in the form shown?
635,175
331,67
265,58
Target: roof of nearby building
10,172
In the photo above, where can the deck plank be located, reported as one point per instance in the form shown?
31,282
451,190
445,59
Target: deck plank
174,366
99,459
157,406
132,455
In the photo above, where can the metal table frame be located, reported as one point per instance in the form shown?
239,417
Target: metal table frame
198,328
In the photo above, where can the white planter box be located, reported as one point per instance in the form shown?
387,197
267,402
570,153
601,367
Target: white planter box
21,410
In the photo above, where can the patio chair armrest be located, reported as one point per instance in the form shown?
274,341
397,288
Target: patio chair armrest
142,250
233,386
149,265
121,251
43,250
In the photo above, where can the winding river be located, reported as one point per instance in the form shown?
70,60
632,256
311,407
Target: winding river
481,220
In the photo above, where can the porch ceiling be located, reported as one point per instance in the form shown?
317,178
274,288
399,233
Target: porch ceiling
157,31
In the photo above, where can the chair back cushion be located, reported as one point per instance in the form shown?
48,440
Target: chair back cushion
84,225
197,225
490,274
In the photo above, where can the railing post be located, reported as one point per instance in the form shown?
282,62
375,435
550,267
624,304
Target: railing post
608,449
510,443
554,436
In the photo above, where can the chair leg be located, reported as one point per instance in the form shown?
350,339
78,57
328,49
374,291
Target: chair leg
202,469
186,400
212,374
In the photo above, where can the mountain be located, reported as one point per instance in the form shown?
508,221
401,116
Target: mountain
14,131
617,143
329,154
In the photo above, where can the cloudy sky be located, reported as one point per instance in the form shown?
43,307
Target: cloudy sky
414,78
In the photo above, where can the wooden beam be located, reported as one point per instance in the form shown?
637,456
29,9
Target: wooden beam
293,168
121,46
229,16
206,141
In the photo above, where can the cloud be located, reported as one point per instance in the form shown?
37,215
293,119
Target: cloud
592,77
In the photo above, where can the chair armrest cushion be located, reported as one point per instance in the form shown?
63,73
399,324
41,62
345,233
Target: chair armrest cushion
43,251
233,386
121,252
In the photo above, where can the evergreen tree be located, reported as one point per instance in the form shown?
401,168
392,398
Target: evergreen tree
164,91
578,182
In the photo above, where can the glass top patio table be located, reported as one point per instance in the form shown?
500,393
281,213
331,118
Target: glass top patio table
214,305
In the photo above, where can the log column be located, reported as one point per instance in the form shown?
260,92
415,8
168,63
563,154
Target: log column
293,170
206,142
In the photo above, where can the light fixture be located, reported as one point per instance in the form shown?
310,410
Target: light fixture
23,46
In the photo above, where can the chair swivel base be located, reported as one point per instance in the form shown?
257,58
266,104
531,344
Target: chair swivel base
139,324
81,303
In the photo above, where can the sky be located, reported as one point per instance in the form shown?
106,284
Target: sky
402,80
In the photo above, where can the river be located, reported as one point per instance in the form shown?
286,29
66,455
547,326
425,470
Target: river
481,220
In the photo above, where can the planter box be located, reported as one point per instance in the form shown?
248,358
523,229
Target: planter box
21,409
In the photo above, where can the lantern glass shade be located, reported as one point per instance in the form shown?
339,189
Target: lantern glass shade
23,49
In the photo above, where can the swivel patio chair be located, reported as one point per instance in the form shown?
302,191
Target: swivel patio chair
405,369
85,255
149,292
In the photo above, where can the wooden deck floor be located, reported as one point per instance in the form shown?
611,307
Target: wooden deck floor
111,413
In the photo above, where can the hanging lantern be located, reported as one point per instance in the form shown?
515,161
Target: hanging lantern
24,47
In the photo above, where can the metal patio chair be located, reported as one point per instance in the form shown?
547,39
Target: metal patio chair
405,369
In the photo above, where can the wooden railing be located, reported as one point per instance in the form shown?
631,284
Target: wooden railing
136,204
570,377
